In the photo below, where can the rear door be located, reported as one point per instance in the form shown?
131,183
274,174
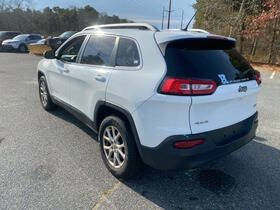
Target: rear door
235,96
89,78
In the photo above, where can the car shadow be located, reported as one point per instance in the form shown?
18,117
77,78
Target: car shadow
248,178
65,115
13,52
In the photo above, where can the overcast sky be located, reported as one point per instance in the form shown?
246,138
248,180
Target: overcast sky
137,10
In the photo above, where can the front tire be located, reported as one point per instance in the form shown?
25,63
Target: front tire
118,148
22,48
44,94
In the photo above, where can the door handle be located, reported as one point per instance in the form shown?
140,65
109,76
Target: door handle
66,71
100,78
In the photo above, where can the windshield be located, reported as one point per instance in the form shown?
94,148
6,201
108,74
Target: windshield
67,34
20,37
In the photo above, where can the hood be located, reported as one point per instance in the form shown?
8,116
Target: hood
9,40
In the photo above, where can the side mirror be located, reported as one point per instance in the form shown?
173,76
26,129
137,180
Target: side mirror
49,54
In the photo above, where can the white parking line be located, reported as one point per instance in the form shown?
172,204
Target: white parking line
272,75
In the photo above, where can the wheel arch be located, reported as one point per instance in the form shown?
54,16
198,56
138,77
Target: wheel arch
104,109
39,74
23,44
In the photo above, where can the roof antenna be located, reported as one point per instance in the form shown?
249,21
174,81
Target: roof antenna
185,29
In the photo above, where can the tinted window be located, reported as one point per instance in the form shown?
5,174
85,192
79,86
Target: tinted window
127,54
34,37
221,65
71,50
11,34
99,50
4,35
15,34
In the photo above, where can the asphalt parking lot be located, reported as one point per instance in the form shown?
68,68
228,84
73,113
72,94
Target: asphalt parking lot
52,161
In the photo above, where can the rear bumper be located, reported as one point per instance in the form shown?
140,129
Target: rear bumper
217,143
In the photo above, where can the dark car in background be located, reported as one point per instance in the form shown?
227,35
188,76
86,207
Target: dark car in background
55,42
7,35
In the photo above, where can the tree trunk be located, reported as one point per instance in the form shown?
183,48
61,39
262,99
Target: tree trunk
239,17
241,44
205,18
230,24
254,48
271,47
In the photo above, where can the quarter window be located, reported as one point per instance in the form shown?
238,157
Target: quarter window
127,54
98,51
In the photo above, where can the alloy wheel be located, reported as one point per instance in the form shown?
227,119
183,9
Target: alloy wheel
43,93
114,147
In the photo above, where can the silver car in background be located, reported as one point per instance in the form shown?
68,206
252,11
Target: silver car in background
20,42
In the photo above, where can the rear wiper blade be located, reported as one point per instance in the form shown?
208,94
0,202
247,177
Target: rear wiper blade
242,74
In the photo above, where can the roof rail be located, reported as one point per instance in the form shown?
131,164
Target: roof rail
140,26
198,30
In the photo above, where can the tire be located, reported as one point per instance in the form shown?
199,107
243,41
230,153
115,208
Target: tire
44,95
22,48
131,162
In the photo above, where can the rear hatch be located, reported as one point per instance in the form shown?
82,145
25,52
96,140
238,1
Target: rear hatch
223,86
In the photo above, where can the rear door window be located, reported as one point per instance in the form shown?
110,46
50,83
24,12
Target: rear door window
98,51
127,54
207,60
34,37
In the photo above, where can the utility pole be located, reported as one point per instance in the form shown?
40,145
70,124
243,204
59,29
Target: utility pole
169,13
182,19
162,22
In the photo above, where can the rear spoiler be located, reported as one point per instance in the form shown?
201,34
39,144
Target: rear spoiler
211,42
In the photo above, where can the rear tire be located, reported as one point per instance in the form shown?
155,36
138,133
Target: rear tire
44,95
118,148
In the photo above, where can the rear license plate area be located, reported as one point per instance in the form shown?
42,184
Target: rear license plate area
231,133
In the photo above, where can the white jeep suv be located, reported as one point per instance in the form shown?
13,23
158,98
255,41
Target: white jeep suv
169,99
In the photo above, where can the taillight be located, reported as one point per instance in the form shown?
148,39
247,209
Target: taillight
188,144
258,77
176,86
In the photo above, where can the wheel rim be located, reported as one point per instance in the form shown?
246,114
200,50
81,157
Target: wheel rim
114,147
43,93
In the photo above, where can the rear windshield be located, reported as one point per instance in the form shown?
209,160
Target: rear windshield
216,60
